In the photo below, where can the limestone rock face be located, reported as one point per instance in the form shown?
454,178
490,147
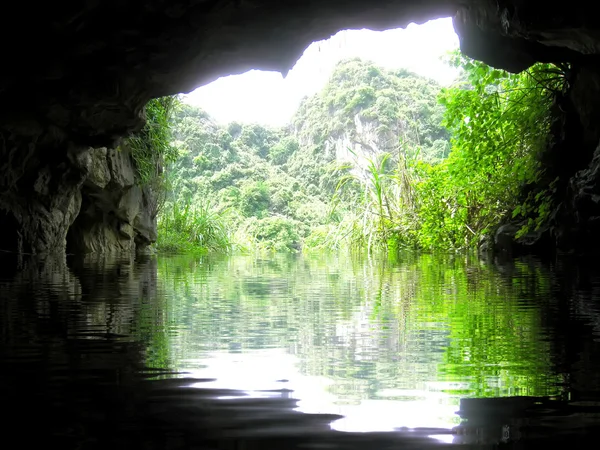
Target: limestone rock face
37,212
116,214
99,174
77,75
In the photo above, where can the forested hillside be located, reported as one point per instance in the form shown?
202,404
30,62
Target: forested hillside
362,112
377,159
253,186
232,185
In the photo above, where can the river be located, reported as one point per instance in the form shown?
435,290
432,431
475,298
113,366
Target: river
292,351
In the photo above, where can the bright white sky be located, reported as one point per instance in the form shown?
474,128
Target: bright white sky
268,98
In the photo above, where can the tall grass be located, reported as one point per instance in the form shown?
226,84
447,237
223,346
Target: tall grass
384,215
193,227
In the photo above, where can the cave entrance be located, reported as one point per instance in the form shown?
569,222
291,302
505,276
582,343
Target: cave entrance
357,141
267,146
268,98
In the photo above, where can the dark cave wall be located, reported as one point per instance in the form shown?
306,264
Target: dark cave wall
77,76
58,197
40,192
571,174
575,155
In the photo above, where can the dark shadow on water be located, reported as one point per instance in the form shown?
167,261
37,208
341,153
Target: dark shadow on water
73,374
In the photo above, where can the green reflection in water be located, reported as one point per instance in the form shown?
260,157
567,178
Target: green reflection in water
377,329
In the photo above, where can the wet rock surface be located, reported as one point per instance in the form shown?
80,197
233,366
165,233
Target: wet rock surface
117,214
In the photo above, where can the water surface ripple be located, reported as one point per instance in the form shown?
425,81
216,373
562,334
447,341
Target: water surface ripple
247,352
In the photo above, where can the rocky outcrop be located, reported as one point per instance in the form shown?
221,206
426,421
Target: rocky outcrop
505,244
78,75
117,215
361,143
86,197
92,80
40,194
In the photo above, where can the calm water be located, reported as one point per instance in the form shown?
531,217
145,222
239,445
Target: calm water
232,352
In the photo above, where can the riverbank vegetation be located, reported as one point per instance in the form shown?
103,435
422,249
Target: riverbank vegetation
378,160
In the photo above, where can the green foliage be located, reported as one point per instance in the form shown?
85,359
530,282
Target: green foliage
499,124
197,227
383,214
274,233
283,149
152,147
255,199
243,168
287,187
377,160
370,108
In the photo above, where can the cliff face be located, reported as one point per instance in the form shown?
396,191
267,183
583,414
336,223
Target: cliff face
364,111
77,76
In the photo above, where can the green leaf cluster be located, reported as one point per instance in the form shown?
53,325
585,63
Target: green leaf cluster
242,169
152,148
499,124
